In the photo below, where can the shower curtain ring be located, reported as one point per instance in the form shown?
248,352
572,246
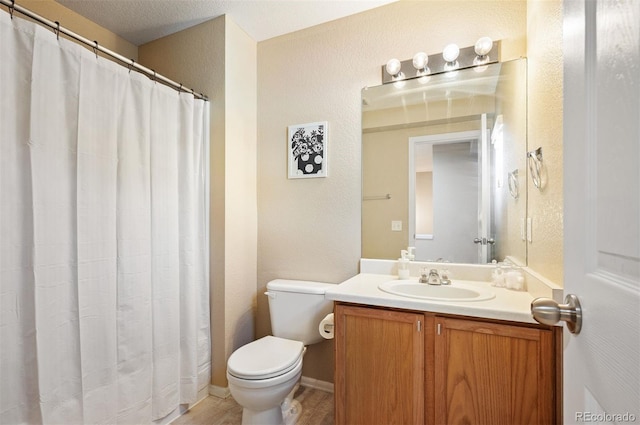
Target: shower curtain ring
57,30
180,88
11,8
154,75
95,49
131,65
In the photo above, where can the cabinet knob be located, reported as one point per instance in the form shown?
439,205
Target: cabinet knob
549,312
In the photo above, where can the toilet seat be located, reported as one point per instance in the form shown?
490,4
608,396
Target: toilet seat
265,358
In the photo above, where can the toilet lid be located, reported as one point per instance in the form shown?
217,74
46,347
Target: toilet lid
265,358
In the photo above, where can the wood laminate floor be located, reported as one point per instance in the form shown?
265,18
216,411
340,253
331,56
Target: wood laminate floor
317,409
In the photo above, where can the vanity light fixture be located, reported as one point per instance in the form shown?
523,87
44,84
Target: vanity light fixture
482,48
453,58
394,69
400,83
450,55
420,62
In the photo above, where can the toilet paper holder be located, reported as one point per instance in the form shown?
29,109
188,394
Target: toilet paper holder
326,327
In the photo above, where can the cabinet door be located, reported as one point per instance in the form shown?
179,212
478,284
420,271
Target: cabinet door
488,373
379,366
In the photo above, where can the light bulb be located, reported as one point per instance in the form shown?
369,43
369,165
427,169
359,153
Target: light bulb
399,84
451,52
483,46
393,67
451,66
481,60
480,69
420,60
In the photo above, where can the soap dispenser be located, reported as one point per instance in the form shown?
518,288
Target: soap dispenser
403,265
411,253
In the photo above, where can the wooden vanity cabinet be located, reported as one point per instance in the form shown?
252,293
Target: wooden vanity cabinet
379,366
405,367
494,373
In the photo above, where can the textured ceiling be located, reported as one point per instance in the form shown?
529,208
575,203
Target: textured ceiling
141,21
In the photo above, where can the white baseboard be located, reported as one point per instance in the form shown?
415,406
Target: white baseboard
317,384
220,392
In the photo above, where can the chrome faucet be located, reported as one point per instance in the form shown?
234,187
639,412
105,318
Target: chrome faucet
432,279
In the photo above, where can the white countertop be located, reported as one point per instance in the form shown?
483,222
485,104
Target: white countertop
507,304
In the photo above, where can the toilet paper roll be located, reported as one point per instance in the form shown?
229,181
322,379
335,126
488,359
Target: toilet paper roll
326,326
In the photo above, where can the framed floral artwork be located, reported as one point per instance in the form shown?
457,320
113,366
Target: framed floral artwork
307,150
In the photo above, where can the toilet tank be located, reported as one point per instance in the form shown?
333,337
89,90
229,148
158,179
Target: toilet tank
296,308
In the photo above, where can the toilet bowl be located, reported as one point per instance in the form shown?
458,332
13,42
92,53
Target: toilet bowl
263,375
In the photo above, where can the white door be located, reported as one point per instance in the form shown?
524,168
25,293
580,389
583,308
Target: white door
459,196
455,195
602,213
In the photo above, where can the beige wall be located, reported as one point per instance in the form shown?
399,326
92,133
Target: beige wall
219,59
310,228
80,25
544,51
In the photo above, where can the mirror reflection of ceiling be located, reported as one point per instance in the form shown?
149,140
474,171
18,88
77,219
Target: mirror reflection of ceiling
446,86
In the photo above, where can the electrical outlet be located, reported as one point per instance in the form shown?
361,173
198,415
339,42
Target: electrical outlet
396,226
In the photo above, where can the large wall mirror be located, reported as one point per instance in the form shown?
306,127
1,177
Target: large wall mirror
444,160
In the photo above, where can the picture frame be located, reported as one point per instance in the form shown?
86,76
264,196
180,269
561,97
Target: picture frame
307,150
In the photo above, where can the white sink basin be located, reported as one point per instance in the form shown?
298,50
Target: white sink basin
454,292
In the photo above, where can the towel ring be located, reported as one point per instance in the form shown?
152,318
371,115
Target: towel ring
535,166
514,186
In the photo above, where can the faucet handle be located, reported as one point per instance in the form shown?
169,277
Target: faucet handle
423,275
445,277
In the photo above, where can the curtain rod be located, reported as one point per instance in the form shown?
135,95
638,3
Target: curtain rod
57,29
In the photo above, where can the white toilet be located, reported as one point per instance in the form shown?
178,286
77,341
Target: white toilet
263,374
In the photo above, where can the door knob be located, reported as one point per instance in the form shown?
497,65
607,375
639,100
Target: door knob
484,241
549,312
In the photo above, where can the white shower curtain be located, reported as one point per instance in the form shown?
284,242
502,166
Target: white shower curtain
104,299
